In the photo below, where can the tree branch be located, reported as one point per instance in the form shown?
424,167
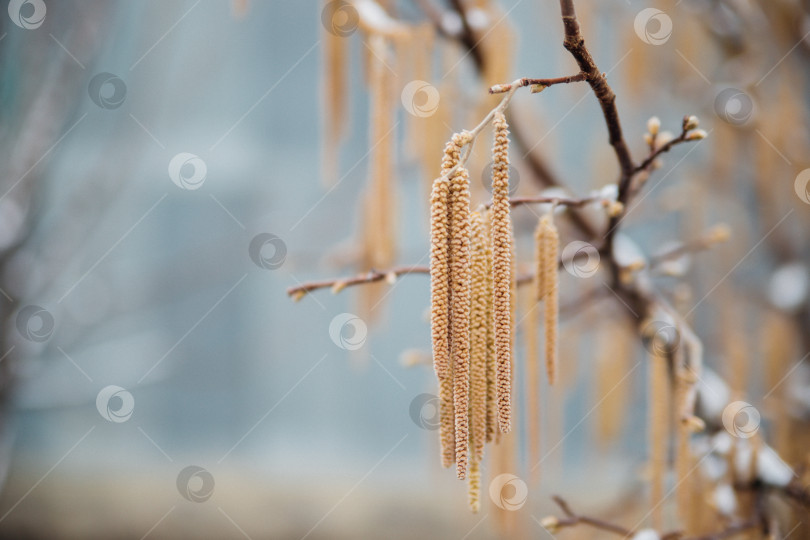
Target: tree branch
538,84
338,284
574,43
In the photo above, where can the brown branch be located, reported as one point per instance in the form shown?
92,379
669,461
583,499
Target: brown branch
371,276
560,201
538,84
686,135
732,530
574,43
647,163
467,36
572,519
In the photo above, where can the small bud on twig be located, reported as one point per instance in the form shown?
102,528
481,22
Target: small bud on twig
696,135
338,286
550,523
719,233
694,424
298,295
615,208
653,125
663,138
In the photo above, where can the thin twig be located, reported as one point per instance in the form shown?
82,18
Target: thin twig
561,201
369,277
573,519
537,84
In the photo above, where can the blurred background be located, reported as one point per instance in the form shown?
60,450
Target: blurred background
164,184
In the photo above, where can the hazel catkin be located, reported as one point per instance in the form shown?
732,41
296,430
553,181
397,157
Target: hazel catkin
502,271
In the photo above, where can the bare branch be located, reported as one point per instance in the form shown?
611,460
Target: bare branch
538,85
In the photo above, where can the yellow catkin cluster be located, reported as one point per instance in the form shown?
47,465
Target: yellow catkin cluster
472,299
491,365
379,216
479,328
334,104
546,287
658,431
683,488
440,299
474,487
502,271
460,310
441,248
614,354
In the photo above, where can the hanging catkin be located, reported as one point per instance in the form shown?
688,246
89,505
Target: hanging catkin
379,247
539,263
440,298
614,355
479,330
683,485
460,310
479,327
334,99
491,367
546,287
474,487
502,271
658,431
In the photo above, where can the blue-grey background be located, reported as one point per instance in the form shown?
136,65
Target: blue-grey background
152,288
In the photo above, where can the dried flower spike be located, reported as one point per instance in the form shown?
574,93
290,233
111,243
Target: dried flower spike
440,312
551,303
502,271
546,284
440,298
659,421
460,237
474,487
479,328
491,367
